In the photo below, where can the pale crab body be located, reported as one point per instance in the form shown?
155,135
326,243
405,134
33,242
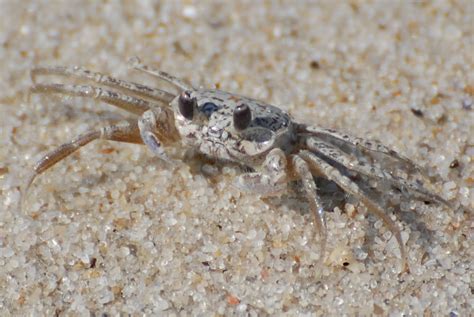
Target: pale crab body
212,131
229,127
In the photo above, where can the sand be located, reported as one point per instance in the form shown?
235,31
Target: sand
113,230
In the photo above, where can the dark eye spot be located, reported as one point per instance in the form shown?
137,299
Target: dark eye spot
186,105
242,117
208,108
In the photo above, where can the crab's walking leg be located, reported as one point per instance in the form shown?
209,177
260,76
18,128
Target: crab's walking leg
135,63
358,147
271,180
350,162
122,132
323,168
301,169
127,103
121,85
158,124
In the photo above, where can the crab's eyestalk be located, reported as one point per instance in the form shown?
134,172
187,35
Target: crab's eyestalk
242,117
187,105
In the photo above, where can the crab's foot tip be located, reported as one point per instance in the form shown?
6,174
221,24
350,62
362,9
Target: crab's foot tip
21,201
21,205
405,267
323,250
24,191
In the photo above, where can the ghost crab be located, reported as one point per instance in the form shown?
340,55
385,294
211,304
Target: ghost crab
233,128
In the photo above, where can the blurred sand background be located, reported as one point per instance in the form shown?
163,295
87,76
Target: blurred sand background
111,230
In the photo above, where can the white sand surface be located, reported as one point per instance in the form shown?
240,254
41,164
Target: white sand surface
111,230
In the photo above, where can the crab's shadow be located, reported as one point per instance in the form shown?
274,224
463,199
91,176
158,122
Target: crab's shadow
333,196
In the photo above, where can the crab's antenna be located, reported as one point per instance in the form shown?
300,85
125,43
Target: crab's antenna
135,63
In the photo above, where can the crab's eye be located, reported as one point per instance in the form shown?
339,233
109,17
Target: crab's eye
242,117
186,105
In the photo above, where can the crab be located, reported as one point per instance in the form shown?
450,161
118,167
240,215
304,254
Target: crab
227,127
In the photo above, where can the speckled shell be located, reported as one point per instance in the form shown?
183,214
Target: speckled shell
212,133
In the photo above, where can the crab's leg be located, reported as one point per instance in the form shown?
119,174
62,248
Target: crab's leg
321,167
135,63
351,163
301,169
125,102
359,147
122,132
121,85
268,182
